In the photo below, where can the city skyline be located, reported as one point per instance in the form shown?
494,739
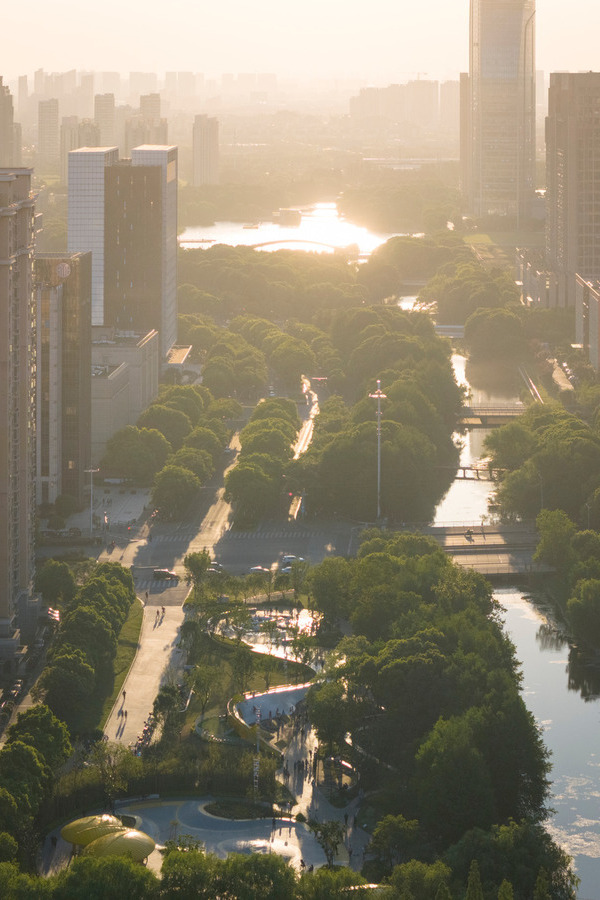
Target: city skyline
430,39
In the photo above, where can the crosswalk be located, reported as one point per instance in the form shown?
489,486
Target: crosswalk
282,533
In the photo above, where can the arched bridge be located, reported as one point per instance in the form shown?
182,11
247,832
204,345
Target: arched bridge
294,241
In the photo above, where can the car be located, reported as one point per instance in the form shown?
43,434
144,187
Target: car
165,575
289,560
215,570
260,570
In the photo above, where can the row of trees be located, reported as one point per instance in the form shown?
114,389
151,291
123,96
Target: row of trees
255,483
428,684
549,458
338,474
177,444
80,659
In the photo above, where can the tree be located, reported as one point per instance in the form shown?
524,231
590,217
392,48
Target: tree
202,681
242,664
329,835
327,712
135,453
248,877
110,759
583,611
474,889
175,491
453,783
196,565
167,708
56,582
24,774
172,423
190,873
66,684
105,879
330,584
393,836
8,847
197,461
505,891
204,438
252,490
556,532
39,728
324,884
420,880
493,334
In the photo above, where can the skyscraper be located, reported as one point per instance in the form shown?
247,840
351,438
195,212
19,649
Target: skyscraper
86,213
573,182
205,150
7,129
498,110
48,150
125,211
63,287
17,399
104,117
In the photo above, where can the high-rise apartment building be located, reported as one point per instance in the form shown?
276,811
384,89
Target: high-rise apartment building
17,400
7,127
205,150
73,134
48,149
572,182
499,174
125,211
104,117
63,291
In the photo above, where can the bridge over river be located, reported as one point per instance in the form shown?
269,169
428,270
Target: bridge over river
490,416
493,550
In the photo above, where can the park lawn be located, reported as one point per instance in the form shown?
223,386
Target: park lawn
217,653
101,704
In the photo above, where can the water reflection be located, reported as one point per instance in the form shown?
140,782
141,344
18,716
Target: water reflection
584,674
320,223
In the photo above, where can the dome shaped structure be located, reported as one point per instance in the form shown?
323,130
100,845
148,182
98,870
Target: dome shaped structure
135,844
90,828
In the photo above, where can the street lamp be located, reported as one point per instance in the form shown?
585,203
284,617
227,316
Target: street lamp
91,474
379,396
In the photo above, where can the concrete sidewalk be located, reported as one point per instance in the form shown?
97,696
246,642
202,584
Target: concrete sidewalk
156,657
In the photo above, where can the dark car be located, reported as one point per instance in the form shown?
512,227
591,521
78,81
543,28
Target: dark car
165,575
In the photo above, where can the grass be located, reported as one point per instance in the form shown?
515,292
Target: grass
239,809
108,683
126,649
217,653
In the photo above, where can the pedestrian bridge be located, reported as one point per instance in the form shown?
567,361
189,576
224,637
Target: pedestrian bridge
490,416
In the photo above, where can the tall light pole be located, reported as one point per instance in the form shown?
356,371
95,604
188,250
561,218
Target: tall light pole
91,472
379,396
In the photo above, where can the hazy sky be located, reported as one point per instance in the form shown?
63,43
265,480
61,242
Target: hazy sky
377,40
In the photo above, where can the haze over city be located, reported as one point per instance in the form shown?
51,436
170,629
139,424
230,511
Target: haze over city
381,40
300,450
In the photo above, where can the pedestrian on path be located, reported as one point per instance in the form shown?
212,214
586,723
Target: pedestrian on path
124,695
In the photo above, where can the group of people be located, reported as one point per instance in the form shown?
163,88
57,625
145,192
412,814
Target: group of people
143,739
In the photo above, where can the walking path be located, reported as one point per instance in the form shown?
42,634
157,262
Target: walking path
157,657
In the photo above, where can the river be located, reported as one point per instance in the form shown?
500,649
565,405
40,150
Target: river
552,682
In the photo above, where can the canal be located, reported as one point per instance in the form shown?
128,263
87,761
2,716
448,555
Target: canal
562,693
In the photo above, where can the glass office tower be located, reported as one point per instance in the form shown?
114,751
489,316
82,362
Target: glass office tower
499,110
